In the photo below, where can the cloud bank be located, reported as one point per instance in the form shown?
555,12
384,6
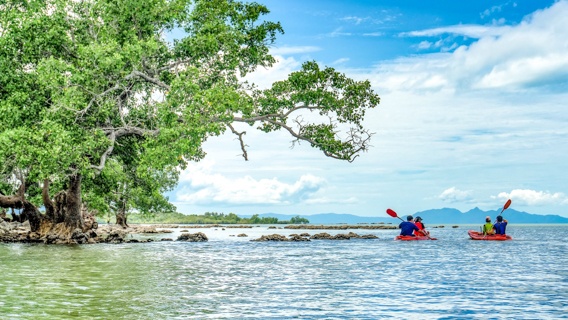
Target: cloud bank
198,185
534,198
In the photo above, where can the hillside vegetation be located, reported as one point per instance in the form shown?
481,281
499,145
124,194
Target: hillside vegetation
211,218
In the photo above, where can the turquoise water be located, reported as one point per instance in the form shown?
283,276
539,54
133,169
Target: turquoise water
233,278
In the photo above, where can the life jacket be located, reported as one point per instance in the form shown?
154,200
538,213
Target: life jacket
488,228
420,226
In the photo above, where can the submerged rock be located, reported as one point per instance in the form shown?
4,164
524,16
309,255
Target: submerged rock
193,237
272,237
318,236
339,227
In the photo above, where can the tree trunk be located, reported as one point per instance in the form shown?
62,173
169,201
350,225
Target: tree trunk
32,214
73,218
121,216
50,209
12,202
64,220
121,219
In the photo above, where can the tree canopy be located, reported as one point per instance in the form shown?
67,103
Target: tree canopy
93,89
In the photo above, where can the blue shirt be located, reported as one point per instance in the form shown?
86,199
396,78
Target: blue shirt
500,227
406,228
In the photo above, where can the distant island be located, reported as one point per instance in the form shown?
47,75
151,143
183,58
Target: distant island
212,218
432,216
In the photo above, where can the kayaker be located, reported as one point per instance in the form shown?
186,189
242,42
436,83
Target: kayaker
422,228
500,225
407,227
488,226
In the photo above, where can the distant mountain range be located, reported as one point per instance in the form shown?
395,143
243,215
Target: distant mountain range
433,216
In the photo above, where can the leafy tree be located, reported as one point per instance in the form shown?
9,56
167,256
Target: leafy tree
92,95
299,220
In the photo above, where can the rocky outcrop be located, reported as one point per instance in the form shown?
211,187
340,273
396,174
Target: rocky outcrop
279,237
272,237
341,236
319,236
341,227
193,237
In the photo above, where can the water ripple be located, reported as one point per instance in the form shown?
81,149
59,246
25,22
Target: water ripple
233,278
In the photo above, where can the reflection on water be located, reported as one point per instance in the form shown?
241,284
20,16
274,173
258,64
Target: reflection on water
233,278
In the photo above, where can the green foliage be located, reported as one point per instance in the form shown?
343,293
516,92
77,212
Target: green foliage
299,220
93,87
209,218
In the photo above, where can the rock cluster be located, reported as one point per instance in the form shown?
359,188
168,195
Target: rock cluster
20,232
318,236
193,237
340,227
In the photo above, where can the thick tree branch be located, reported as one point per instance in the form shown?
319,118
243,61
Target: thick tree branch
108,151
113,134
49,205
11,202
276,115
134,74
148,79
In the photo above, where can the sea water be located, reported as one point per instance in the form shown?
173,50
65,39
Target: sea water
231,277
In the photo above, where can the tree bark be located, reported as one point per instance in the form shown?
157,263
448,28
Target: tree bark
50,209
73,218
121,218
32,214
11,202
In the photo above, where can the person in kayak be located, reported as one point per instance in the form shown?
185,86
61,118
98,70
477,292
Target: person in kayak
500,225
422,228
407,227
488,226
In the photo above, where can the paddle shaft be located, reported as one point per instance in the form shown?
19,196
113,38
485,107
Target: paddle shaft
507,204
393,214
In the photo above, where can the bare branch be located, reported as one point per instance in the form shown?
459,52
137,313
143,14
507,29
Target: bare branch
275,115
108,151
148,78
114,133
173,65
240,135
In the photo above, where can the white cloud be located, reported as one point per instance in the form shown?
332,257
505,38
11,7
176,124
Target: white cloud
354,19
340,61
440,118
534,198
265,77
488,12
455,195
425,45
373,34
468,30
199,186
325,200
338,33
293,50
531,54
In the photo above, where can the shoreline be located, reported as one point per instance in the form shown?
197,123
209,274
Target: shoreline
16,232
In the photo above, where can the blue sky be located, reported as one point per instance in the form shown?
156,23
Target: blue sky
473,112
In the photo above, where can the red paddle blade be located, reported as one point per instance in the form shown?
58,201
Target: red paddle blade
391,213
507,204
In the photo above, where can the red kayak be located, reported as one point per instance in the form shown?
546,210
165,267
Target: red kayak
491,237
410,238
